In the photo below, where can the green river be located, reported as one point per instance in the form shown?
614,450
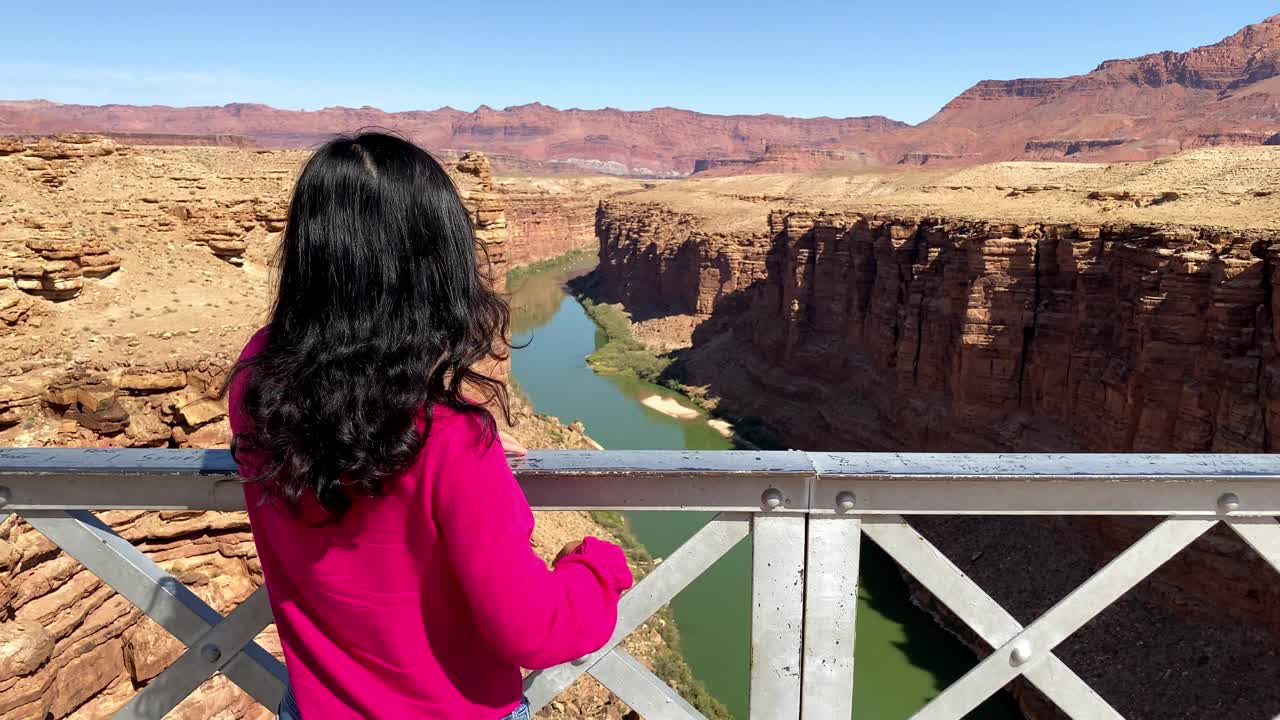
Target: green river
903,658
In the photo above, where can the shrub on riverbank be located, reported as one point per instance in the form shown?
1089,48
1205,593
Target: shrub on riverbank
622,354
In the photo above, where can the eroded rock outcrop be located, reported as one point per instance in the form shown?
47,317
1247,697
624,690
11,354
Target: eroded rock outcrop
51,160
41,253
488,211
1059,148
226,226
169,404
61,260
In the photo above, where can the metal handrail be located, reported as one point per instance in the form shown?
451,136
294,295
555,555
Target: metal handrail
725,481
805,512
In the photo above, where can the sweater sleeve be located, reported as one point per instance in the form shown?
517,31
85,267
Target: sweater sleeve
532,616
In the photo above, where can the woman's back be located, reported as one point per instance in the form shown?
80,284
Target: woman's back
425,602
394,540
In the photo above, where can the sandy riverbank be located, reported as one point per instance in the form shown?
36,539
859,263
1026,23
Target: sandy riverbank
669,407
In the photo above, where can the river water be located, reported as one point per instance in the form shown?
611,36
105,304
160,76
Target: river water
903,658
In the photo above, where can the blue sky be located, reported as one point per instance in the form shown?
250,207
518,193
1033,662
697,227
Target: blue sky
903,59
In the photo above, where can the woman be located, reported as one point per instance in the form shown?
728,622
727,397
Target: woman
394,541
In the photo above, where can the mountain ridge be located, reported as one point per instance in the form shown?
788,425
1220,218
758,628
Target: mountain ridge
1125,109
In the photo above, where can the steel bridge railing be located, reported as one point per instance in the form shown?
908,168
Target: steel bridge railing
806,514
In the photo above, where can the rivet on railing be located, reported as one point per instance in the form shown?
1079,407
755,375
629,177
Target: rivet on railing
211,653
6,495
845,501
771,498
1229,502
1021,653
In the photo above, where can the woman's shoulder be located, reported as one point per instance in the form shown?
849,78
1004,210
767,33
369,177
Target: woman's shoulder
470,428
236,389
256,343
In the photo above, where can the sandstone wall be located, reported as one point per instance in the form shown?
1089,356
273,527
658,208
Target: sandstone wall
544,226
883,332
1113,338
474,177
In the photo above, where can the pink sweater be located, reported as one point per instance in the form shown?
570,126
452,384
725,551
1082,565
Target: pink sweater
427,601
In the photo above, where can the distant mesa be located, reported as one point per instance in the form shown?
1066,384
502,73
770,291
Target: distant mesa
784,158
148,138
925,157
1126,109
1049,149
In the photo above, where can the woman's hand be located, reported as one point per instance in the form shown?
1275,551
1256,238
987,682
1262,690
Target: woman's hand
567,550
512,447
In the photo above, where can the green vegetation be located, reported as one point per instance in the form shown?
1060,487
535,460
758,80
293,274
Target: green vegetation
622,354
669,664
584,258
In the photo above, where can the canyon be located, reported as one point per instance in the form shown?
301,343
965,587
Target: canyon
989,280
1027,307
1125,109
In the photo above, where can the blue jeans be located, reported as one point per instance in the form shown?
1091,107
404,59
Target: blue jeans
289,710
288,707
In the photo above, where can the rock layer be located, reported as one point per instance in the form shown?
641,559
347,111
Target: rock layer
543,225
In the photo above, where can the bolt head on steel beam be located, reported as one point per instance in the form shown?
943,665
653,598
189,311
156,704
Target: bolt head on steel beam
771,498
211,653
1020,654
845,501
1229,502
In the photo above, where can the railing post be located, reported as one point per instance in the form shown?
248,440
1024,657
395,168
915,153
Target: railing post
777,614
830,614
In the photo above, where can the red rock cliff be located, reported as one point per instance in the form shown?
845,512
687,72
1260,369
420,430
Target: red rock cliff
1113,337
883,332
545,226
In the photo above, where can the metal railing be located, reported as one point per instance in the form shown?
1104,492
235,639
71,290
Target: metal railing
806,514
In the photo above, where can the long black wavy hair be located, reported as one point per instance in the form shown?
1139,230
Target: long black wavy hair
382,311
